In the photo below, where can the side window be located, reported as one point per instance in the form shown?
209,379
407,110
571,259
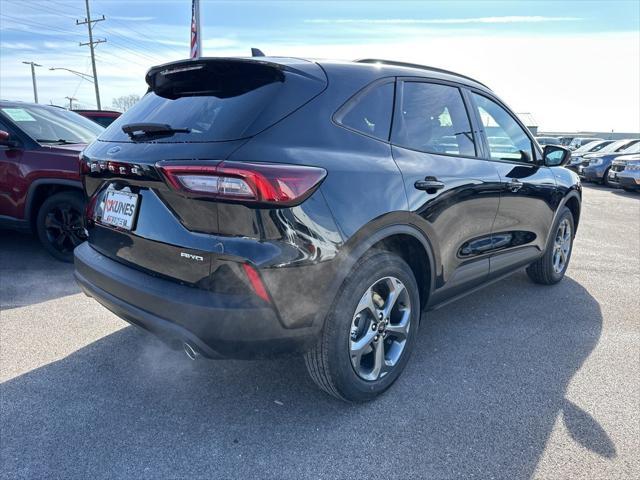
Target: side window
433,119
507,140
370,111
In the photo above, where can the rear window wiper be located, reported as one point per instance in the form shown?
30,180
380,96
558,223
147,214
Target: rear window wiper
137,130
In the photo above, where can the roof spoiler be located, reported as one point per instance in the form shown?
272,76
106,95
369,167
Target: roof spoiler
196,65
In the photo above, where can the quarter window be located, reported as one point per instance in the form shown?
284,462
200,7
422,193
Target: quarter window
433,119
370,112
507,139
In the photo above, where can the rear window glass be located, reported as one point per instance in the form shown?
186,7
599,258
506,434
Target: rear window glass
219,101
370,111
433,119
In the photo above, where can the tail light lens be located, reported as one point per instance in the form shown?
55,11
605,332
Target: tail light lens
271,183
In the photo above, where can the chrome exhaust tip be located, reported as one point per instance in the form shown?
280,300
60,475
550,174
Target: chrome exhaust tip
190,351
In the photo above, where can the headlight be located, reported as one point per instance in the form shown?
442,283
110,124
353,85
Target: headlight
594,162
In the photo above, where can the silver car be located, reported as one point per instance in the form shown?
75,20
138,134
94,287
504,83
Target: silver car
591,147
625,172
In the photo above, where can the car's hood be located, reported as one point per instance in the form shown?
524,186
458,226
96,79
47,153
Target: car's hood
632,157
600,155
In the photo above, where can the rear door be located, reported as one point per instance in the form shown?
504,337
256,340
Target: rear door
529,195
453,193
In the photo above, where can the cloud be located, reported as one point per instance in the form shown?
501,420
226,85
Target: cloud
17,46
131,19
444,21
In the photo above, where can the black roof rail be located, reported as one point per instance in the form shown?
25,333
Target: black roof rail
417,65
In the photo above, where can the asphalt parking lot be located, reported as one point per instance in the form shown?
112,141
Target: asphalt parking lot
516,381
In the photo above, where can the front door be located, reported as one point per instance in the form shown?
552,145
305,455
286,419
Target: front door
11,193
529,195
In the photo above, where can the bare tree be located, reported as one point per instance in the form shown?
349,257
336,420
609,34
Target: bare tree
125,102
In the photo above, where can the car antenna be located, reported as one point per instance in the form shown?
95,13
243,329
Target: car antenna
256,52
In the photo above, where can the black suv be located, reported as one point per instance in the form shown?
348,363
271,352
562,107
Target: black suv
248,207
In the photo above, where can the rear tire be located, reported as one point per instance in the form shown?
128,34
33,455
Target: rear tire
60,224
551,267
605,179
359,355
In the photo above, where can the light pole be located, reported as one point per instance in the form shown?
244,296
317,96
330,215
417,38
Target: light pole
84,76
33,78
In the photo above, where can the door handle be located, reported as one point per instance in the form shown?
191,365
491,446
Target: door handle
429,184
515,185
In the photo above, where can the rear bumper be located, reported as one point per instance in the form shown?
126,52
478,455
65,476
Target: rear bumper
215,325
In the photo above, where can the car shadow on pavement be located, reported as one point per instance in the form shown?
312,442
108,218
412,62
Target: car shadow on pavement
28,274
479,398
623,193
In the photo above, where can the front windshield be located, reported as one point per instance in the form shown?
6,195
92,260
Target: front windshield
52,125
591,146
615,146
635,148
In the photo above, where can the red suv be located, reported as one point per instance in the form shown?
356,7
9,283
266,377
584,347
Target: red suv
101,117
40,188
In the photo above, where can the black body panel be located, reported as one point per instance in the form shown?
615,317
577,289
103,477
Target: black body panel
471,228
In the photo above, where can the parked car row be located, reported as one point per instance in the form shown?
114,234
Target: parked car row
572,143
597,166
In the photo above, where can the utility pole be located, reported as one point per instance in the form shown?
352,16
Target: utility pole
91,44
33,78
71,100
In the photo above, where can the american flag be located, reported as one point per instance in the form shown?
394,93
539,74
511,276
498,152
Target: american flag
196,48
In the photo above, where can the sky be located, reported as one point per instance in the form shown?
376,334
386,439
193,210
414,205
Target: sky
574,65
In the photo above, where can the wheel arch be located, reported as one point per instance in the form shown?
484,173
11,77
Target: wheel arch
41,189
405,241
573,201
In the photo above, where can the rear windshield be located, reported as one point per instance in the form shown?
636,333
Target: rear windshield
220,101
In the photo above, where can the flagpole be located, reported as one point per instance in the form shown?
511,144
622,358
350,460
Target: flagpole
196,32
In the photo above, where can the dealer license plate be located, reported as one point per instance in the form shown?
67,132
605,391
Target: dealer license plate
119,209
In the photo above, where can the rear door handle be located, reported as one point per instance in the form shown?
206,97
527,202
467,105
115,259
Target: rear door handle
429,184
515,185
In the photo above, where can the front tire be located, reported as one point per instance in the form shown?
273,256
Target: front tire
60,224
370,332
551,267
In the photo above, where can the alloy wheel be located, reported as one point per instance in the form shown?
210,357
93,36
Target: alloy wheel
64,228
379,328
562,246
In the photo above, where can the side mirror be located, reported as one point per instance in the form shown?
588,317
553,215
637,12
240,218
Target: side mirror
555,156
5,140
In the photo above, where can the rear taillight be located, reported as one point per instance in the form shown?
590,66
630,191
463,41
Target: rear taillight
271,183
90,209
